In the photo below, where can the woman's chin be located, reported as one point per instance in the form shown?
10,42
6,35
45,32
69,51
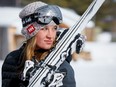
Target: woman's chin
47,47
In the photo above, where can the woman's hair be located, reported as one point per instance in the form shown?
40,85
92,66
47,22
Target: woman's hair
30,50
29,53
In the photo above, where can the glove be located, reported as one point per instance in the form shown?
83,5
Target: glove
80,43
77,44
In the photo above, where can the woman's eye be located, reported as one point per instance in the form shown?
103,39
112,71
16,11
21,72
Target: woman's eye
55,27
44,28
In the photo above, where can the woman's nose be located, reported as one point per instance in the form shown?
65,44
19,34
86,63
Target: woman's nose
49,33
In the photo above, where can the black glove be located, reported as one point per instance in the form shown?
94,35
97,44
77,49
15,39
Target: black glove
77,43
80,43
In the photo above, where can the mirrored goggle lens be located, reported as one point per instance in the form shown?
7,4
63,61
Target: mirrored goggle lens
47,20
44,15
48,13
44,19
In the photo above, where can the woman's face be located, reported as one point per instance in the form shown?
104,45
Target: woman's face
46,37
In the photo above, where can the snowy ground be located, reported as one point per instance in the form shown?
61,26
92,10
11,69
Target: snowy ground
100,72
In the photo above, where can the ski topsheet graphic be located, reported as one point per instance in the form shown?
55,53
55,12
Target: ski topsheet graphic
41,75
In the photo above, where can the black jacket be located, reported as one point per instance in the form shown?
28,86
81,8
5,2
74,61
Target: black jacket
11,76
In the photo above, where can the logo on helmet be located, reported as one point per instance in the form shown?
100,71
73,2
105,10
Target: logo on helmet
31,29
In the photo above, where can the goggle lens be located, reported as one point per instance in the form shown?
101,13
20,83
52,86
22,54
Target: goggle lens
44,15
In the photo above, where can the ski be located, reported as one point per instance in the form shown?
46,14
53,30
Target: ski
56,56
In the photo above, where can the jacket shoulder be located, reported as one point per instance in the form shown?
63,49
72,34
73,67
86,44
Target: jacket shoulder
13,57
12,60
9,67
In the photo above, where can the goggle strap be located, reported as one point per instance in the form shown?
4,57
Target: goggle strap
56,20
29,19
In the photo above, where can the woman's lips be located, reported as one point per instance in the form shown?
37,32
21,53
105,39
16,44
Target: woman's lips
48,41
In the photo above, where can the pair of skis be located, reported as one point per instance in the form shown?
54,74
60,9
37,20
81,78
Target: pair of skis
56,56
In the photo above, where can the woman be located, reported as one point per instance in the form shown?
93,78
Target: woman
40,24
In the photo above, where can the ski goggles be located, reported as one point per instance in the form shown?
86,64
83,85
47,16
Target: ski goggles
44,15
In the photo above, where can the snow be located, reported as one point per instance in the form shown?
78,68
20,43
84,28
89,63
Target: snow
104,37
9,16
100,71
